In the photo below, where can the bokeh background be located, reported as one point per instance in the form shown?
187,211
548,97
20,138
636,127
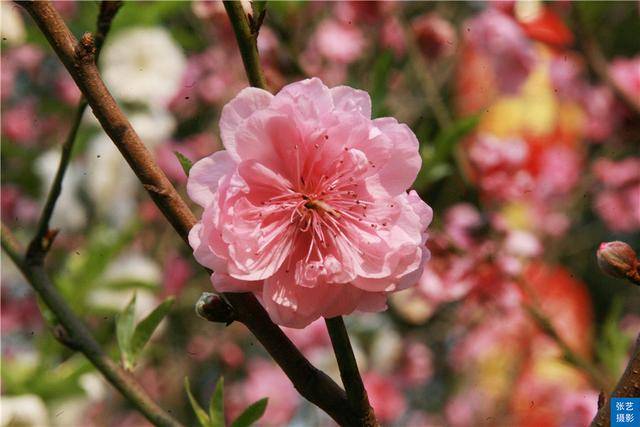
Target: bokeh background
531,159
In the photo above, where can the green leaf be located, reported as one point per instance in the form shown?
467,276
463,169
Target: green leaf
252,414
216,408
446,141
379,82
145,328
124,332
436,157
613,345
202,416
185,162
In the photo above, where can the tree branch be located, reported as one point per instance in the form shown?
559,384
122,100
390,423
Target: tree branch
628,386
78,58
43,238
356,393
595,375
78,336
247,43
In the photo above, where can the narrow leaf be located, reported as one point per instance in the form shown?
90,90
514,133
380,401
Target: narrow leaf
124,332
252,414
216,407
202,416
185,162
145,328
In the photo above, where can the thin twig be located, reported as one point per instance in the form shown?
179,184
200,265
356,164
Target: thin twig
356,393
247,43
598,63
43,238
424,75
628,386
77,57
78,336
595,375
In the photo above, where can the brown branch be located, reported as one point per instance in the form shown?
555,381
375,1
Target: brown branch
42,240
356,393
628,386
78,58
76,335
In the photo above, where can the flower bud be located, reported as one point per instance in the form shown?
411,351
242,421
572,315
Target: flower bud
213,308
617,259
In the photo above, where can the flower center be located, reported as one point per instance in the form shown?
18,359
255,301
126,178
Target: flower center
320,205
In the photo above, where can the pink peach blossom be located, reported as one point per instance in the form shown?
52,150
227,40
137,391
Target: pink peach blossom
626,74
265,380
435,36
385,397
500,37
307,206
618,201
339,42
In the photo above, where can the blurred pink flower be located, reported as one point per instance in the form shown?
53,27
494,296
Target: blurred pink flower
265,379
434,35
363,12
626,74
19,123
177,271
209,78
392,36
416,367
66,89
566,75
19,313
385,397
602,113
499,37
313,336
461,223
560,169
307,206
618,202
16,205
339,42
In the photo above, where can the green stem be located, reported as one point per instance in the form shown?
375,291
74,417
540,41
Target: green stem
351,379
247,42
80,337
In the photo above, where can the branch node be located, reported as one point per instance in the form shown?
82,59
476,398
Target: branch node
153,189
86,48
61,334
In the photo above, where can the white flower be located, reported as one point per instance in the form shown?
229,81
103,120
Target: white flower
386,350
69,213
143,65
133,267
11,25
154,126
111,183
25,410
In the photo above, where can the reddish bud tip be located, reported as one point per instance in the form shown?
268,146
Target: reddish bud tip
617,259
